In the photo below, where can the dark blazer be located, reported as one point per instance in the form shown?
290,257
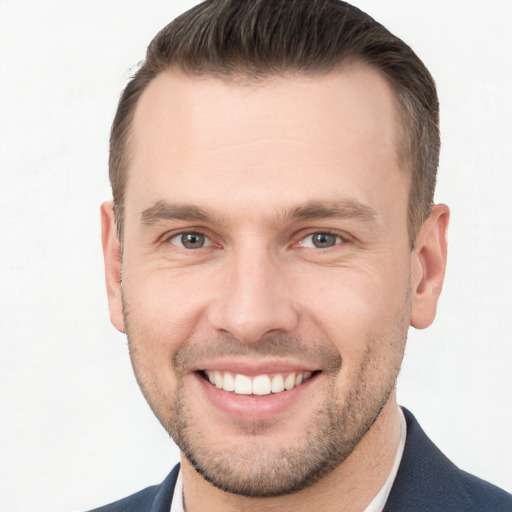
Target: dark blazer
426,482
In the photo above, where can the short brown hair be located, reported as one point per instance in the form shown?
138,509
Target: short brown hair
260,38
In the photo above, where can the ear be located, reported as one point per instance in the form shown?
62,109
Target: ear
428,266
113,262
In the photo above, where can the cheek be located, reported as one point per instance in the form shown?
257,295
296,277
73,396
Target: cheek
166,299
358,309
163,312
157,321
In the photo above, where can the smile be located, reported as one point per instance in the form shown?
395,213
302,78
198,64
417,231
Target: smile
259,385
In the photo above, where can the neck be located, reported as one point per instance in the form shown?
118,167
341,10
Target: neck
350,487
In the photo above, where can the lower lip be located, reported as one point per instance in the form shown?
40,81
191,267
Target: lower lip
254,407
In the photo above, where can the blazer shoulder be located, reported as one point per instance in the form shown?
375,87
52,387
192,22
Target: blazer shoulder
157,498
428,480
484,495
139,502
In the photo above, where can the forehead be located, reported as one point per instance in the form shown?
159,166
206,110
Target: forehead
280,137
355,98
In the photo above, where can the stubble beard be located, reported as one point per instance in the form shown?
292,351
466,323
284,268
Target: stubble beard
333,431
336,427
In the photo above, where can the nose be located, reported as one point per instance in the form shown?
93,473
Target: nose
255,300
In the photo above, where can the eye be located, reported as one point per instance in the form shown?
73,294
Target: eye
320,240
190,240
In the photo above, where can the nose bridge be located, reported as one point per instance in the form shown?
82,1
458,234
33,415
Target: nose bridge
254,300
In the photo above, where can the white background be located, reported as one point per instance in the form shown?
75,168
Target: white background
75,430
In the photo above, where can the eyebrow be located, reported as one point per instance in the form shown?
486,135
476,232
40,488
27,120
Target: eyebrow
163,210
344,209
312,210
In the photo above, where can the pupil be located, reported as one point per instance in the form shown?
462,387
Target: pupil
192,240
323,240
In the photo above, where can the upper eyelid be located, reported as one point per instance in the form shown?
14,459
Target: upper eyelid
186,232
183,231
323,232
304,233
175,235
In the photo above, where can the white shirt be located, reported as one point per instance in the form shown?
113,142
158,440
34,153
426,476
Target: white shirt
376,505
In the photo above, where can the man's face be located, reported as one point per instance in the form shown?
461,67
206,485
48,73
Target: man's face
265,243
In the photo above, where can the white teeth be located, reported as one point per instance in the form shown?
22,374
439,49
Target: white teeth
301,377
260,385
277,383
229,382
243,385
218,378
289,382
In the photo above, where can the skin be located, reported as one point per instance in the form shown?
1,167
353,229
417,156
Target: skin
245,166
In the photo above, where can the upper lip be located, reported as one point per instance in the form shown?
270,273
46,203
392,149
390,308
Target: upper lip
251,368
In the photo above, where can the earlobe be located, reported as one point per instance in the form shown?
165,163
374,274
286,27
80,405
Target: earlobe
428,266
113,262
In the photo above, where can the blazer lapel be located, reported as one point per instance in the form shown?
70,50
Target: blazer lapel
163,499
426,479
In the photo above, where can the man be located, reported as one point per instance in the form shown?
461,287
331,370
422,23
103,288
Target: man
272,237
